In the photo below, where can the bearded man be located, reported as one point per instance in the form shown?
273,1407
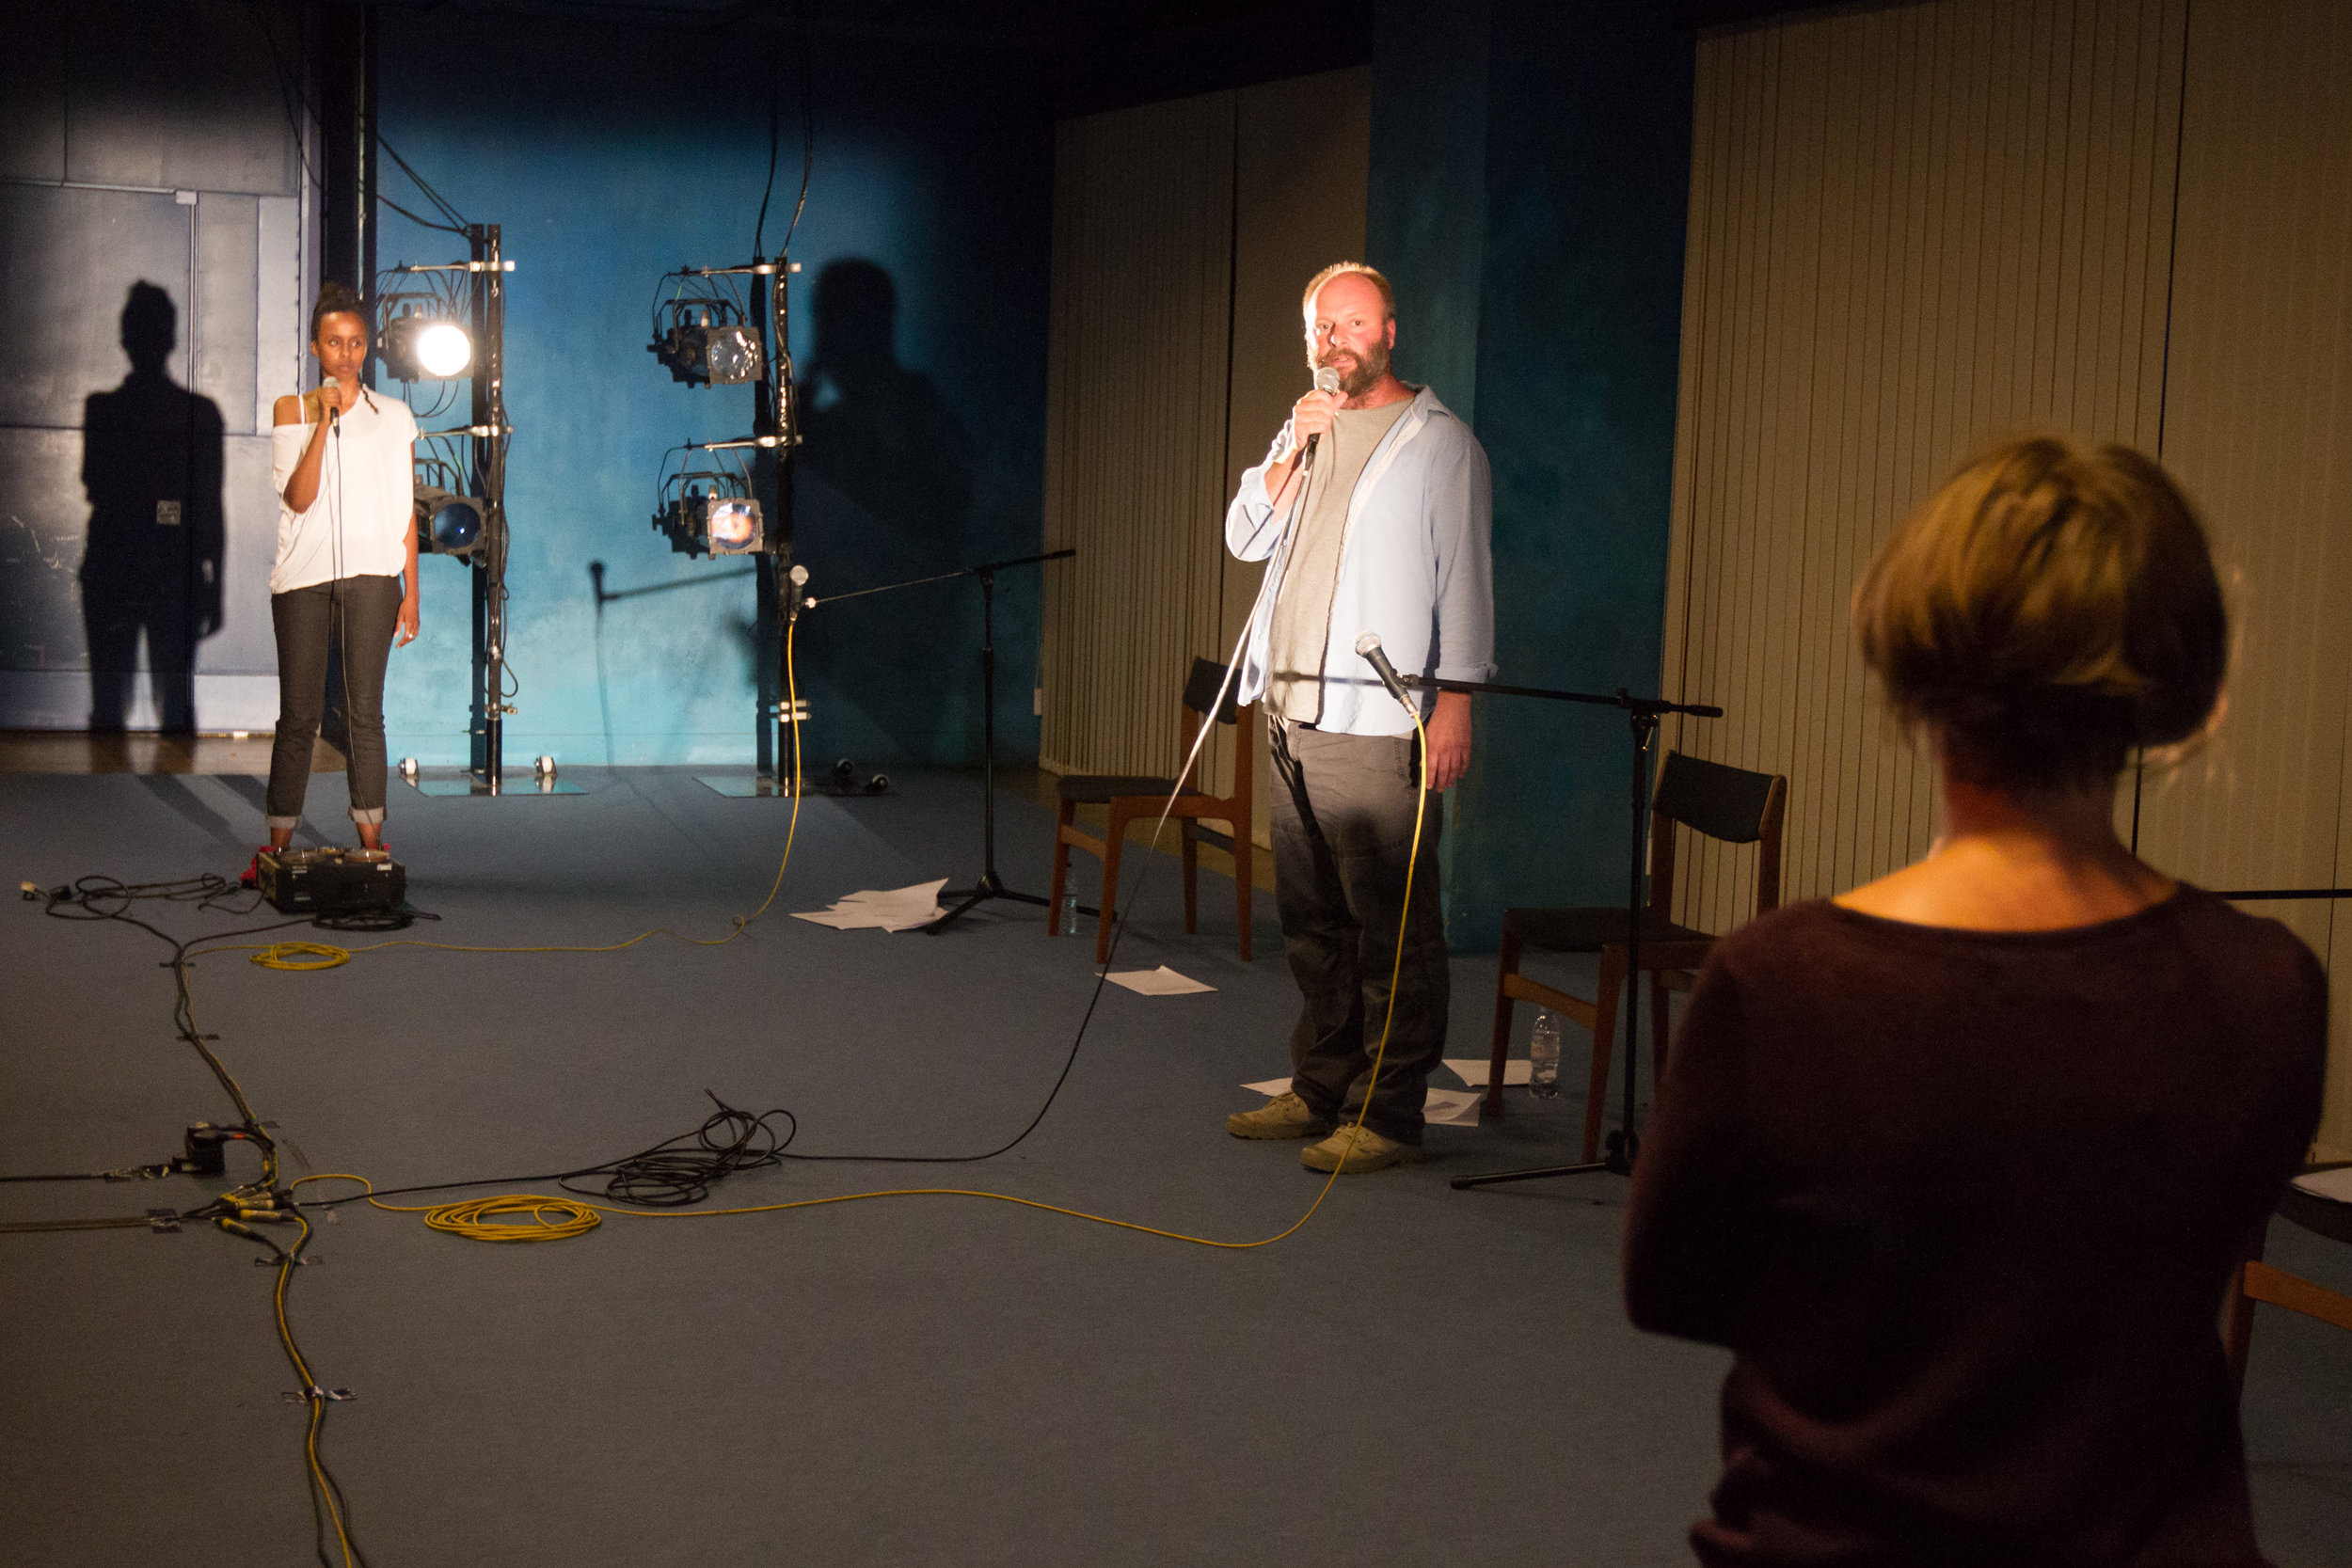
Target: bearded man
1375,510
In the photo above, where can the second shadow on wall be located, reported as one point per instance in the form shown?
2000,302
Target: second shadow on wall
883,492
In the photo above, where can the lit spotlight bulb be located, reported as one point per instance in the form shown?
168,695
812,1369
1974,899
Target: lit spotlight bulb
734,525
443,350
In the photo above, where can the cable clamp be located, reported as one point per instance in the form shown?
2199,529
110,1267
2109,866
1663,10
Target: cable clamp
300,1262
163,1221
304,1396
142,1173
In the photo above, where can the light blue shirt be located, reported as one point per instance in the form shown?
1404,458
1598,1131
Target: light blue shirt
1415,565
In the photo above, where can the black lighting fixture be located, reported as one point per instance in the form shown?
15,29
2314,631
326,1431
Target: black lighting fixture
710,512
420,337
724,326
706,341
449,521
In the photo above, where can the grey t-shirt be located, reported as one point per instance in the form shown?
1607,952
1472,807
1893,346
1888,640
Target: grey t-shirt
1302,628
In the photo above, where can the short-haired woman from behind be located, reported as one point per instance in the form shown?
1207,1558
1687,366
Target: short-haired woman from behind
1958,1164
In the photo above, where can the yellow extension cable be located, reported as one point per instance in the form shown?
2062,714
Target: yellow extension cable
540,1217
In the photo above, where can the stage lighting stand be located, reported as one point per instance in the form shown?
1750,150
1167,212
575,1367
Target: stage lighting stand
1641,715
775,431
483,276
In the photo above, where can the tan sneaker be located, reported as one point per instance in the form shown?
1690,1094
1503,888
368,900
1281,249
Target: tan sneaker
1283,1117
1353,1150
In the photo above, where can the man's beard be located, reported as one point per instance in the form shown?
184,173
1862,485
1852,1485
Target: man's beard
1371,366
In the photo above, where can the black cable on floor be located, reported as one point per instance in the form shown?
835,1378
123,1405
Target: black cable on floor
109,898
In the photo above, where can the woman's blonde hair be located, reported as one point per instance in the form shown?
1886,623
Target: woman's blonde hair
2050,607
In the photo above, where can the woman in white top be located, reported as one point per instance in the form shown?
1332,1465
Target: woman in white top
346,567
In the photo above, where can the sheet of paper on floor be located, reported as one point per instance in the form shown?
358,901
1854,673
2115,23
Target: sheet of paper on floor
1473,1070
1162,981
1440,1107
902,909
1452,1107
2334,1183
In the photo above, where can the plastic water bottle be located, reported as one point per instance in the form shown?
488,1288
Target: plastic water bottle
1069,923
1543,1056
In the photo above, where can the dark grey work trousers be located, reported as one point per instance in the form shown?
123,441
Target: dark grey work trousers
1342,830
361,613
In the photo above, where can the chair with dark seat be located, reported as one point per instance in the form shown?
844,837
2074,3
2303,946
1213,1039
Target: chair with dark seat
1731,805
2257,1281
1129,797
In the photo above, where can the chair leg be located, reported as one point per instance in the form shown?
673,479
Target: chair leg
1604,1039
1065,818
2237,1314
1113,841
1192,880
1506,965
1659,1032
1243,850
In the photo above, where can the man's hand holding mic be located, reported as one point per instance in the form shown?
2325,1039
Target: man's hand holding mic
1311,420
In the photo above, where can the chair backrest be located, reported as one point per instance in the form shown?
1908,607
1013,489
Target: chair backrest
1200,689
1731,805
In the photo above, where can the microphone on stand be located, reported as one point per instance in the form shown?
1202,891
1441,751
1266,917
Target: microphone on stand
1326,380
1368,649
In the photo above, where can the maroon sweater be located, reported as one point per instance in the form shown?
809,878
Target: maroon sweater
1965,1205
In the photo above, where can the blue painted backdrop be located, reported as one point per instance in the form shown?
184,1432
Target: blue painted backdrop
613,151
1531,175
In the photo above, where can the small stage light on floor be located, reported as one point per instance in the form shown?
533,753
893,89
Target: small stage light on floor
707,342
710,512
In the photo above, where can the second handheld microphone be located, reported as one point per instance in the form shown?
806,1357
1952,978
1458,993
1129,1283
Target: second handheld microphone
1368,648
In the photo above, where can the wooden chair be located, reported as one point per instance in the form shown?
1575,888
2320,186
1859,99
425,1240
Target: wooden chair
1130,798
2256,1281
1727,804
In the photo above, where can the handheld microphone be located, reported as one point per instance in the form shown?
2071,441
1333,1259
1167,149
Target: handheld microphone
1368,649
326,382
1326,380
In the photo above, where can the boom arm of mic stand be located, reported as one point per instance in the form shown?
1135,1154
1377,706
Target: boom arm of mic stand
1653,705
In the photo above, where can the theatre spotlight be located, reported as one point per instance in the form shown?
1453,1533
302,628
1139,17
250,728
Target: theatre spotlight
449,522
420,347
710,513
451,525
707,343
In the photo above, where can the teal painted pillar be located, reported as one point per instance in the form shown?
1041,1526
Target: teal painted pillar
1425,219
1550,149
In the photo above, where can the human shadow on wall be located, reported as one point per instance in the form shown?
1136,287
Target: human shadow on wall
152,456
885,493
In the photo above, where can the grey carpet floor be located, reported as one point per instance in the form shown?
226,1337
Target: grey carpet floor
1415,1375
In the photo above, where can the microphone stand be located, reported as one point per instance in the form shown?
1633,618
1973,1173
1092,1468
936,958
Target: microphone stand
990,884
1641,715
